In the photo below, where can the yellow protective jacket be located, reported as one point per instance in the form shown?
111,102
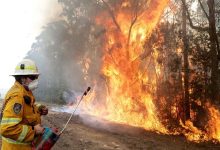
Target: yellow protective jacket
19,117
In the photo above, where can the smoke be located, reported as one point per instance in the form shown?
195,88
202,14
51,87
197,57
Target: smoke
21,22
98,123
67,52
106,125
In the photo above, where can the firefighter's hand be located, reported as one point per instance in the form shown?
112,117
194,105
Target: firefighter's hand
43,110
38,129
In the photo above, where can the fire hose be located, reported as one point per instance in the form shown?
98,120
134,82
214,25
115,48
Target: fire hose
50,135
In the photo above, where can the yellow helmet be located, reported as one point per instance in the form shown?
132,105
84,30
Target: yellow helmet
26,67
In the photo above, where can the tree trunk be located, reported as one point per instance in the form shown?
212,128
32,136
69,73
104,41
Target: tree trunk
186,67
213,52
214,45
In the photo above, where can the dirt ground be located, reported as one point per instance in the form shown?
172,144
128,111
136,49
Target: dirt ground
88,133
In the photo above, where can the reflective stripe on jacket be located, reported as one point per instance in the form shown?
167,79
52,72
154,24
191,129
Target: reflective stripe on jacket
18,118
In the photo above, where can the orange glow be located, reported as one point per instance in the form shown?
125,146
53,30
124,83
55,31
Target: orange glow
127,100
130,86
192,133
212,132
214,122
85,66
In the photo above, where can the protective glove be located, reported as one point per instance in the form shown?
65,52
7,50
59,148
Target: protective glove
38,129
43,110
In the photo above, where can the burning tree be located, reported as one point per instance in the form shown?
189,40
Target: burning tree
132,70
134,63
130,75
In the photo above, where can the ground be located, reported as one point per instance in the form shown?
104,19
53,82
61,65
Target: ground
88,133
85,132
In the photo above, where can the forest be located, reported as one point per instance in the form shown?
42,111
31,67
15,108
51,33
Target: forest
153,64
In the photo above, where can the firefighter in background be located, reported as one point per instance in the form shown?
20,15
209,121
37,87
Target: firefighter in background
21,121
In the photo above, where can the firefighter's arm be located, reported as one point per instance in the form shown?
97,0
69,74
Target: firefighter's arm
11,126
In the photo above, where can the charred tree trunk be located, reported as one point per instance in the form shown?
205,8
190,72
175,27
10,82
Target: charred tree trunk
206,82
186,67
214,52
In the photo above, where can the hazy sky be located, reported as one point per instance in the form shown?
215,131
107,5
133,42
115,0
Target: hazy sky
21,22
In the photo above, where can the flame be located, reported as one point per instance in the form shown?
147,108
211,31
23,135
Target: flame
127,100
192,133
85,63
212,132
214,122
129,85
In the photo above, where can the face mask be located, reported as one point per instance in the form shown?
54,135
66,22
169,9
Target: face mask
33,85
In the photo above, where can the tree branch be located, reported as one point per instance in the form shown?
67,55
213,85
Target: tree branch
112,14
190,20
212,24
203,9
134,19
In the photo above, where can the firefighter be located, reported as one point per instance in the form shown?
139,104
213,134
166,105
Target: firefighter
21,121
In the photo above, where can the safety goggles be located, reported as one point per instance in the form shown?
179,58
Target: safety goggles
33,77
